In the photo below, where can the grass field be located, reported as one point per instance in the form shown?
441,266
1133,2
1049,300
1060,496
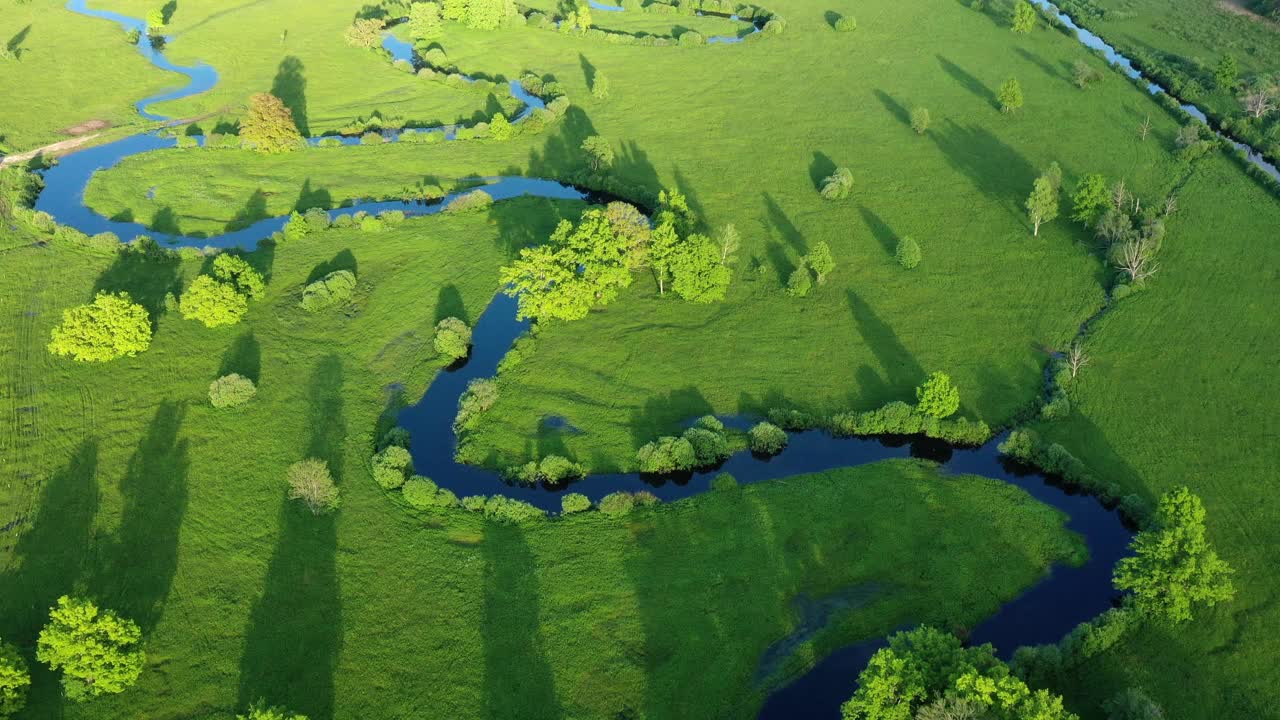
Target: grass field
131,488
379,613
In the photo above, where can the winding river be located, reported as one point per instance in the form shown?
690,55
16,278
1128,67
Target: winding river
1043,614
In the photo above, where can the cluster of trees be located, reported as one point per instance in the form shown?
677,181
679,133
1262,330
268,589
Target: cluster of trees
392,466
479,14
112,326
920,120
222,297
1131,232
928,674
588,263
818,262
269,126
703,445
552,470
937,400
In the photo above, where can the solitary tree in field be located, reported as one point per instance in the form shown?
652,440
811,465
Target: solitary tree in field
937,397
500,128
14,680
269,126
1144,129
1077,359
837,185
97,651
155,21
599,153
424,21
800,282
1024,17
908,253
213,303
110,327
1173,568
821,261
309,481
920,120
600,86
453,338
1010,95
1042,205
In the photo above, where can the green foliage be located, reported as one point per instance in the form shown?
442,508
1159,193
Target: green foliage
1133,704
97,651
488,14
574,503
846,23
14,680
599,152
392,466
1227,73
920,120
500,129
231,391
1091,199
928,674
767,438
710,445
666,455
1010,95
452,338
513,512
552,470
454,9
424,21
1042,204
213,303
618,503
581,266
937,397
365,32
155,20
600,86
820,260
234,270
333,289
269,125
837,185
799,282
908,253
1173,567
481,394
724,482
420,492
310,481
470,202
1024,17
261,711
698,273
112,326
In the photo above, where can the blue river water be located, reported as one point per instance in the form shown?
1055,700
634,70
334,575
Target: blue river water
1044,613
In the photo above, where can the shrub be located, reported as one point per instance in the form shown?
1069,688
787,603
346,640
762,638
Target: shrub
260,711
112,326
837,185
365,32
574,503
618,503
391,466
767,439
937,397
846,23
709,446
505,510
1020,444
1133,704
330,290
14,680
309,481
98,652
420,492
231,391
920,120
372,138
452,338
724,482
474,503
692,37
555,469
473,201
666,455
800,282
791,419
480,395
213,303
370,223
908,253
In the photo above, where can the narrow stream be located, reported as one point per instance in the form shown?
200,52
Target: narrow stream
1044,613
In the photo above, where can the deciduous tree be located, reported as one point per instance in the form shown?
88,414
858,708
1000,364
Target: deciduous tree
697,273
1042,204
112,326
213,303
269,127
599,153
820,260
1090,199
1024,17
1010,95
452,338
309,481
14,680
98,652
424,21
937,397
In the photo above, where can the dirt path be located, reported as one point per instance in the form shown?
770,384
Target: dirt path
1237,7
58,148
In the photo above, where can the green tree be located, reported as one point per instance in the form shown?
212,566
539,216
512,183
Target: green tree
1132,704
666,455
392,466
269,127
599,153
424,21
310,481
1227,73
453,338
365,32
262,712
600,86
1010,95
97,651
663,243
697,273
500,128
837,185
908,253
213,303
800,281
766,438
231,391
920,120
487,14
155,21
112,326
580,267
1042,204
455,9
1024,17
937,397
234,270
582,17
1173,568
821,261
14,680
1091,199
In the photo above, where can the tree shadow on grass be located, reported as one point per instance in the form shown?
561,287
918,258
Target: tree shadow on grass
290,85
145,272
1043,64
518,679
165,222
449,304
663,414
312,198
244,358
325,414
137,573
588,71
255,209
562,154
969,82
995,169
820,168
14,46
49,557
899,113
887,238
899,365
344,260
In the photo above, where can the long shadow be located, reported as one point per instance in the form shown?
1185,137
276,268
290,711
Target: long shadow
561,154
244,358
994,168
633,165
782,223
588,71
899,365
880,229
168,9
662,414
290,85
325,415
14,45
969,82
255,209
821,167
143,271
165,221
49,557
143,559
900,113
518,680
312,198
449,304
344,260
294,634
1043,64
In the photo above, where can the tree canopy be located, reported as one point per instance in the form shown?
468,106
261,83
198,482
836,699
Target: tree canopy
1010,95
937,397
269,126
698,272
112,326
213,303
424,21
97,651
14,680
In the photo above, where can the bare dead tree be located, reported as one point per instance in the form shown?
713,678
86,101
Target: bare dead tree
1134,259
1257,103
1077,359
1170,205
1119,193
1145,128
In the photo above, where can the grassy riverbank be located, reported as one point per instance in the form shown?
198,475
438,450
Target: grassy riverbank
126,485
